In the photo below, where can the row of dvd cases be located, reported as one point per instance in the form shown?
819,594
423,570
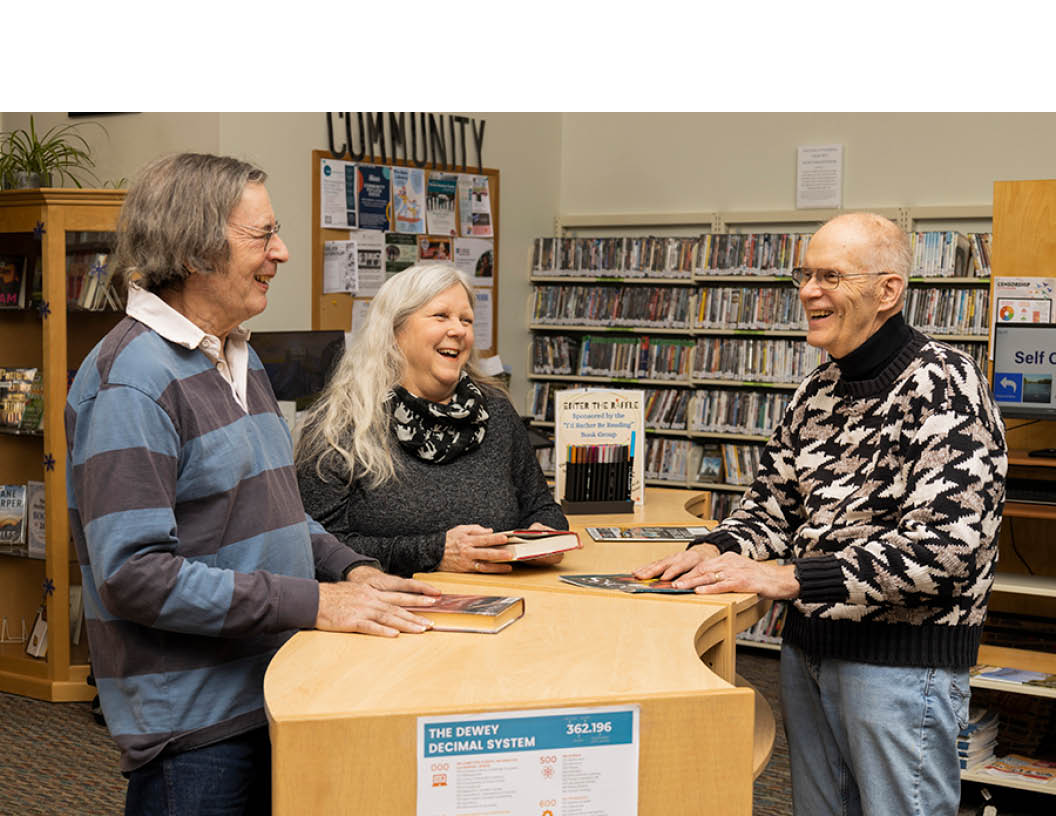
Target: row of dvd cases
942,254
778,360
941,311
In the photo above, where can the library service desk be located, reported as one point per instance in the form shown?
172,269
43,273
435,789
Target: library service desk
343,708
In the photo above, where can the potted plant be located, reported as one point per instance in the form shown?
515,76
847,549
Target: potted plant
59,156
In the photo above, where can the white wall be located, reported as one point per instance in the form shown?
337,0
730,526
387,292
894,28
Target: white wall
746,161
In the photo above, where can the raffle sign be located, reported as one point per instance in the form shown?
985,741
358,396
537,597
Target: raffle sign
558,762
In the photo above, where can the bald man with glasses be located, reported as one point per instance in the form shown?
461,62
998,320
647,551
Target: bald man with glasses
881,492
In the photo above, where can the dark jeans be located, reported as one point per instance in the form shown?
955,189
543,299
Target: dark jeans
227,778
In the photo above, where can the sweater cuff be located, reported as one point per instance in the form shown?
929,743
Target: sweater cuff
820,580
434,553
718,538
340,560
298,605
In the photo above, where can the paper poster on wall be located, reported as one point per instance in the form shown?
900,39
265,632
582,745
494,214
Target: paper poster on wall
337,191
465,205
556,761
359,318
370,246
440,193
434,248
819,176
482,328
401,251
374,196
1022,300
475,257
340,267
408,199
480,206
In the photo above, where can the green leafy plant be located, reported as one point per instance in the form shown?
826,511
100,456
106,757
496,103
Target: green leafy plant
60,156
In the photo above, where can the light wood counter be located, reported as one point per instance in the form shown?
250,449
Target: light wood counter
662,506
343,709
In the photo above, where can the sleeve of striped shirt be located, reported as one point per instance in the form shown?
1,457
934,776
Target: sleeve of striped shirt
125,461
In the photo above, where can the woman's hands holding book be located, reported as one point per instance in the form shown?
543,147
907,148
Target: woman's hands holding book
472,548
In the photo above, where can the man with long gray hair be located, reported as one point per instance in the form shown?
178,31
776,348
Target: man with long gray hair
197,558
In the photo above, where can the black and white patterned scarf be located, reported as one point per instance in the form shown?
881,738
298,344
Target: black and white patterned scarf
440,432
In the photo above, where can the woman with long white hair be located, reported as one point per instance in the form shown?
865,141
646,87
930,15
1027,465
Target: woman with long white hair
411,454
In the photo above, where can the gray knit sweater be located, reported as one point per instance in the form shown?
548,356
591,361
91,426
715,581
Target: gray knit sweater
404,523
887,495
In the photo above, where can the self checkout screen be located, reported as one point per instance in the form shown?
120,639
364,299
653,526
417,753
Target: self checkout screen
1024,369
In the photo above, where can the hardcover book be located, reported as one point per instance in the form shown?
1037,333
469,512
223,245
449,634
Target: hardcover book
13,519
529,544
35,530
12,282
486,614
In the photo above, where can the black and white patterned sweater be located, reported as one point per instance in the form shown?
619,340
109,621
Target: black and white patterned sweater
887,494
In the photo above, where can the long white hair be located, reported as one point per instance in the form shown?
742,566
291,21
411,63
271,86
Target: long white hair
349,428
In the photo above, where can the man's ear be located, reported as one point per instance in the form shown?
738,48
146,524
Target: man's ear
892,288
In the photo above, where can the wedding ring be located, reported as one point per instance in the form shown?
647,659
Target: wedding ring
718,577
477,565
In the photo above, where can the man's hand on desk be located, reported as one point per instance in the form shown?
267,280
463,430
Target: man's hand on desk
370,601
702,569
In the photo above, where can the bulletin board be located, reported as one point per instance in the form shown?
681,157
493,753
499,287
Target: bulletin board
335,310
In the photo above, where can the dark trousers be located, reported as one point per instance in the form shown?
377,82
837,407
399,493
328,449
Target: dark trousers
229,778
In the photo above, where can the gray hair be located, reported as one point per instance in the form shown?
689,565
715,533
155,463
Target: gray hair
174,218
349,428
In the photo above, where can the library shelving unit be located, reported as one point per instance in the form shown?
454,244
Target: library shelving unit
1023,245
39,223
710,336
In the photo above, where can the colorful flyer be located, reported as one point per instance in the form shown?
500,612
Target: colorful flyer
408,199
476,258
440,195
570,760
401,251
337,189
374,196
434,248
480,207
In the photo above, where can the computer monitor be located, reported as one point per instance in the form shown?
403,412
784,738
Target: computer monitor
298,363
1024,369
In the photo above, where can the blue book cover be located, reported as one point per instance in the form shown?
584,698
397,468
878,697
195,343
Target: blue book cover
374,192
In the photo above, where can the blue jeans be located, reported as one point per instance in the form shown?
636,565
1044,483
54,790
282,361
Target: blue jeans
869,740
224,779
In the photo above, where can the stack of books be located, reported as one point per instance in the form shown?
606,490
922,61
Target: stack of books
976,742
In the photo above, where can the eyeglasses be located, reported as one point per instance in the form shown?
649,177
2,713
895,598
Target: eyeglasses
260,232
826,278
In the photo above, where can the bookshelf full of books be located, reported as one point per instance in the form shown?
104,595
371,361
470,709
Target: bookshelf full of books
56,301
711,327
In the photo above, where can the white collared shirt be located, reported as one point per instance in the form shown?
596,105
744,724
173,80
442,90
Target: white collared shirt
231,360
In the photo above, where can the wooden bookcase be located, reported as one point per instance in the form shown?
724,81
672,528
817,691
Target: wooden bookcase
1024,245
37,222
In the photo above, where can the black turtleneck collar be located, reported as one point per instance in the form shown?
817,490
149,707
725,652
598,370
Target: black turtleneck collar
873,356
873,364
